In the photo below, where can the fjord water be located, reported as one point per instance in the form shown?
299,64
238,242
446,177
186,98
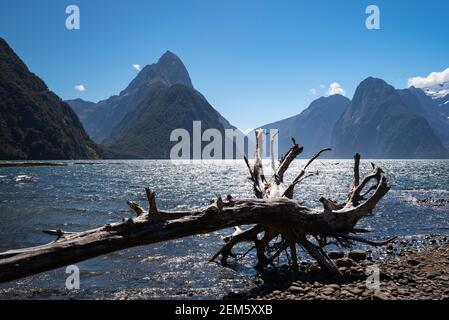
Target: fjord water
89,194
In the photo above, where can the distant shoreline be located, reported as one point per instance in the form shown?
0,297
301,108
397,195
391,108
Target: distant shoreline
31,164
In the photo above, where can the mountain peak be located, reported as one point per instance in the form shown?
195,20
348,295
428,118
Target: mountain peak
169,57
337,96
329,101
169,70
172,70
371,88
372,81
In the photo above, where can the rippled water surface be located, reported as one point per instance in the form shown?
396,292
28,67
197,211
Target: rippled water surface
81,196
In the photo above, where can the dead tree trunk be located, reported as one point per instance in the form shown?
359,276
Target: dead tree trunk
272,215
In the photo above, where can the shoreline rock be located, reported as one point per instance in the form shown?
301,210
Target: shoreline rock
404,273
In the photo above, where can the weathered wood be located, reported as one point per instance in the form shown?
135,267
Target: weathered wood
152,208
289,190
270,216
292,246
284,216
320,256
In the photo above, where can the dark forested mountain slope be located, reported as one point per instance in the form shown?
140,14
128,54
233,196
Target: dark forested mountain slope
418,102
378,124
138,122
145,133
34,122
99,119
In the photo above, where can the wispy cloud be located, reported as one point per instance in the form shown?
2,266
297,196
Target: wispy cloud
313,91
432,79
80,88
137,67
335,88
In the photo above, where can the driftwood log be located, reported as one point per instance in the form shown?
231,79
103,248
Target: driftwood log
277,223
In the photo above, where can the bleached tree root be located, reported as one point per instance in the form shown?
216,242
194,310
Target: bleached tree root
276,223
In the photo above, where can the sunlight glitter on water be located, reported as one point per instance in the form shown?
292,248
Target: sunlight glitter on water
78,197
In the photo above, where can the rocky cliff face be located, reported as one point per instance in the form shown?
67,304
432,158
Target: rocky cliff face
378,124
418,102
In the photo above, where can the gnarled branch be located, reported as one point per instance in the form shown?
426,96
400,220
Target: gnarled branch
272,215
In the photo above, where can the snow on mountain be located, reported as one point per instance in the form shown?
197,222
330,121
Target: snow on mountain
437,91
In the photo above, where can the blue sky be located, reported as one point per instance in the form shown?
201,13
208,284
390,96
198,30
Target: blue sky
255,61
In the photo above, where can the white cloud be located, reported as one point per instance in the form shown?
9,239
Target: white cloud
322,86
313,91
335,88
432,79
137,67
80,88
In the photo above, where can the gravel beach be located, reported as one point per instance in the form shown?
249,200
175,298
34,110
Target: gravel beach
405,272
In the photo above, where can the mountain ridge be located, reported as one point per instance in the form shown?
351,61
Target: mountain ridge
162,94
35,124
148,135
439,93
312,128
417,101
378,124
108,113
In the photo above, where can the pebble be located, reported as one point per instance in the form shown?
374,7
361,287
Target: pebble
336,255
344,262
422,273
328,291
413,262
357,255
296,289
